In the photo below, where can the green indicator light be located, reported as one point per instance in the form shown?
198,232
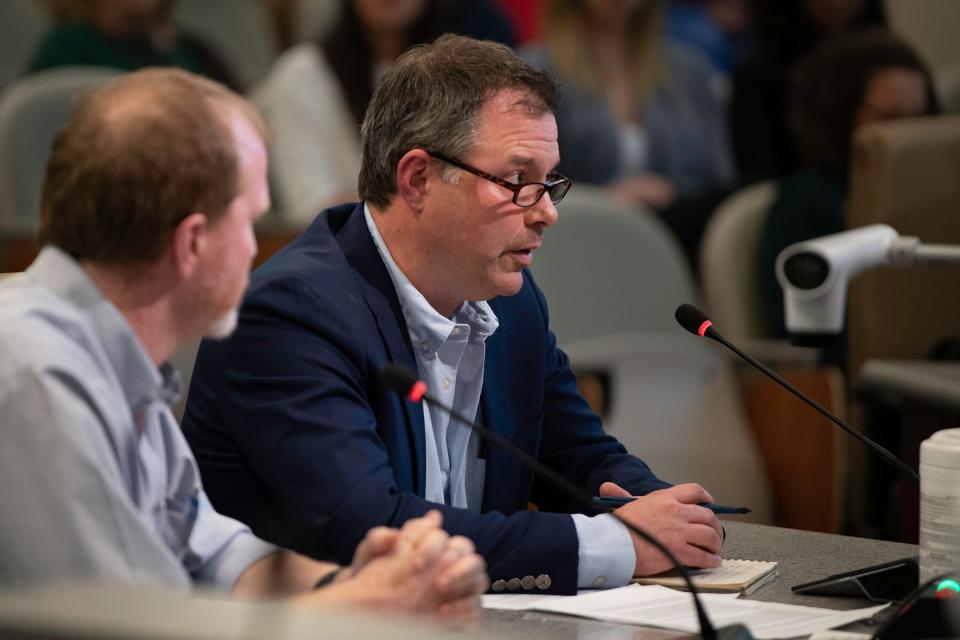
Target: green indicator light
948,584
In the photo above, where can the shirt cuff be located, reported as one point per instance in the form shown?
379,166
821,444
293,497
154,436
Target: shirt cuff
221,548
607,557
244,549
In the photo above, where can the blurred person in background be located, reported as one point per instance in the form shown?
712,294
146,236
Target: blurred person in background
716,28
317,92
638,116
846,83
783,33
126,35
524,17
479,19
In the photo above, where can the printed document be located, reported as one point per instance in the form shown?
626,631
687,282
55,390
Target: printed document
658,606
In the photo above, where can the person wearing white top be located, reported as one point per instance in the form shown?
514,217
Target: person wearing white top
315,96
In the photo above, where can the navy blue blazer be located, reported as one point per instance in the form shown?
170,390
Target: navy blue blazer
296,435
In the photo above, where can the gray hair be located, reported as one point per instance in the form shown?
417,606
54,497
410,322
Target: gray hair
431,98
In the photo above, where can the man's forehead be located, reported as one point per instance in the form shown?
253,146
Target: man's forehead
512,110
516,102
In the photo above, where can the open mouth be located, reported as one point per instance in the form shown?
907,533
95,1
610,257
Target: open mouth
522,256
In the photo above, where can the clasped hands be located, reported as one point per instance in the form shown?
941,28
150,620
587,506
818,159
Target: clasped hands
691,532
418,569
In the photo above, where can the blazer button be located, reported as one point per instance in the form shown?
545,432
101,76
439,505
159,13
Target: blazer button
528,582
513,584
499,585
544,581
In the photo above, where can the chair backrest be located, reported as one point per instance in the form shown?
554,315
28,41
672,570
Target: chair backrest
314,18
948,86
22,24
606,268
32,110
671,400
242,33
905,173
729,262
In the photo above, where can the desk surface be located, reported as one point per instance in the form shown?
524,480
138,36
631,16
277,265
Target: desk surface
803,556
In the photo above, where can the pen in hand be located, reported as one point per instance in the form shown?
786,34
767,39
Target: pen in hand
606,501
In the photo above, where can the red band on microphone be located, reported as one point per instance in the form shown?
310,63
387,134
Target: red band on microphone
703,327
417,391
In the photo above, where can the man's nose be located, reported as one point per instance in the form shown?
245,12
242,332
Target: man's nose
543,212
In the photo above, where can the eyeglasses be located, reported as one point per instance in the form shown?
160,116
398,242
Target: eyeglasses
525,194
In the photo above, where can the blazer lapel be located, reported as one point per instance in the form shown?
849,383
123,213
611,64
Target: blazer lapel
499,481
381,296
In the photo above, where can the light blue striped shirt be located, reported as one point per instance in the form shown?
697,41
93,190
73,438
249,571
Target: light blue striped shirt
96,479
450,356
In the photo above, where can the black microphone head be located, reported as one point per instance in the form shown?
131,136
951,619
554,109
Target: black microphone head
398,378
692,319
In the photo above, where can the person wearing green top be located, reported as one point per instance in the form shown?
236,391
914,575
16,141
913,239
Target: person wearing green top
848,82
125,35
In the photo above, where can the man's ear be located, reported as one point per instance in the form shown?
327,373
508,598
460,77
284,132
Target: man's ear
188,243
412,178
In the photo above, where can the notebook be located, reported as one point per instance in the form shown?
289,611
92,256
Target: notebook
745,576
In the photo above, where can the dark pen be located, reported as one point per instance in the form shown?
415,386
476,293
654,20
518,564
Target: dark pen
607,501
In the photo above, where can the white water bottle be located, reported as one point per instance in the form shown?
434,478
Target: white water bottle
940,504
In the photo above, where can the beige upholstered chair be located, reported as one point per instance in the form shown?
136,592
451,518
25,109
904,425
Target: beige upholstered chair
801,450
673,398
729,260
607,268
22,24
906,174
948,86
613,276
32,110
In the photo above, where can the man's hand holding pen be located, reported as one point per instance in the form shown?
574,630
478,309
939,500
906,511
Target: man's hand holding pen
675,516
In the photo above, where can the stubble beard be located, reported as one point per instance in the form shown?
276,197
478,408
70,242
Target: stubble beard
225,325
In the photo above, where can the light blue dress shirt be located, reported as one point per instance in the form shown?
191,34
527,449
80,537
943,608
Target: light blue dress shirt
96,479
450,355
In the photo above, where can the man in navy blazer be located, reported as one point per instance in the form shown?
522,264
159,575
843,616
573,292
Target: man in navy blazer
297,435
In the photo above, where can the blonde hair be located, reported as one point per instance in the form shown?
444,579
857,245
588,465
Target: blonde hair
563,28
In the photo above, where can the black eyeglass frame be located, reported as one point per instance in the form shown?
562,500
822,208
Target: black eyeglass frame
554,180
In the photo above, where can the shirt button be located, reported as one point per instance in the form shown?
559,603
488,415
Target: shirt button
543,582
513,584
446,383
499,585
455,332
528,582
599,581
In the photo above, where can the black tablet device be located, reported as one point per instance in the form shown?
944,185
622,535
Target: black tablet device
887,582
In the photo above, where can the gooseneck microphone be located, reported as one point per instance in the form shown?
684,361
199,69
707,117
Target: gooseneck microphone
696,321
405,382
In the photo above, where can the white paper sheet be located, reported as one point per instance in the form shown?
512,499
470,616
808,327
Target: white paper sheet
517,601
658,606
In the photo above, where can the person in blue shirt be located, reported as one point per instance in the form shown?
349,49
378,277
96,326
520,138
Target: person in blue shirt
147,217
295,432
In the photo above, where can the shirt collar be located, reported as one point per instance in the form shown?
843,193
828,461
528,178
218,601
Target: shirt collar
141,381
428,328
